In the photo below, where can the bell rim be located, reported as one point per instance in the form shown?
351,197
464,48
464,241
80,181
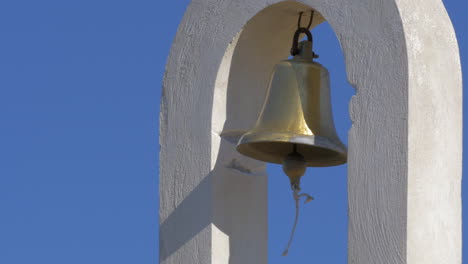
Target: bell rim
307,140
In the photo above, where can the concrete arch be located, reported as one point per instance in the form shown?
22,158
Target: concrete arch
404,181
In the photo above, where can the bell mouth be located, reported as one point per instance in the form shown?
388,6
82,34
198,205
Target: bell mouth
318,151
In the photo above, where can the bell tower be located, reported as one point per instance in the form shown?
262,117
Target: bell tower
404,169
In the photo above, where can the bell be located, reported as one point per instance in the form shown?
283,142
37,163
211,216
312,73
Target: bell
295,125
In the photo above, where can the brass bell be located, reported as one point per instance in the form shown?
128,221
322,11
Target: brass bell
295,125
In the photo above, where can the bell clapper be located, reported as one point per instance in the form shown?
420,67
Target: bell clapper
294,166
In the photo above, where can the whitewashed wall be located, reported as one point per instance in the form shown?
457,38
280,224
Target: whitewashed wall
404,145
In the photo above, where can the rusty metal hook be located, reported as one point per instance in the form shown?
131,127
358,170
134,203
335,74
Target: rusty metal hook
302,30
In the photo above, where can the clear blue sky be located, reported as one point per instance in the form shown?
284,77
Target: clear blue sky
80,83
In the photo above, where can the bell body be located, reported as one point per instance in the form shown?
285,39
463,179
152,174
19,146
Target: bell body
297,110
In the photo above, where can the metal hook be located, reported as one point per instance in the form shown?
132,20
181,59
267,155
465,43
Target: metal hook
302,30
310,21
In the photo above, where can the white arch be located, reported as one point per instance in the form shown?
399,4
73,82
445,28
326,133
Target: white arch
404,146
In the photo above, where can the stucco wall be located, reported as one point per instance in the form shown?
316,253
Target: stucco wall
404,145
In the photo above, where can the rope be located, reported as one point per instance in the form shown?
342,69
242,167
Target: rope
297,196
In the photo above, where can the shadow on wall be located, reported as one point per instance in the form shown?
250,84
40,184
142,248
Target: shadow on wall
235,186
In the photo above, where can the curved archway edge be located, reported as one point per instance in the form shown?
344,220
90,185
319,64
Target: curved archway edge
404,172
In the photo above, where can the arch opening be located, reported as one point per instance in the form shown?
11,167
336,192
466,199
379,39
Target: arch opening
240,89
